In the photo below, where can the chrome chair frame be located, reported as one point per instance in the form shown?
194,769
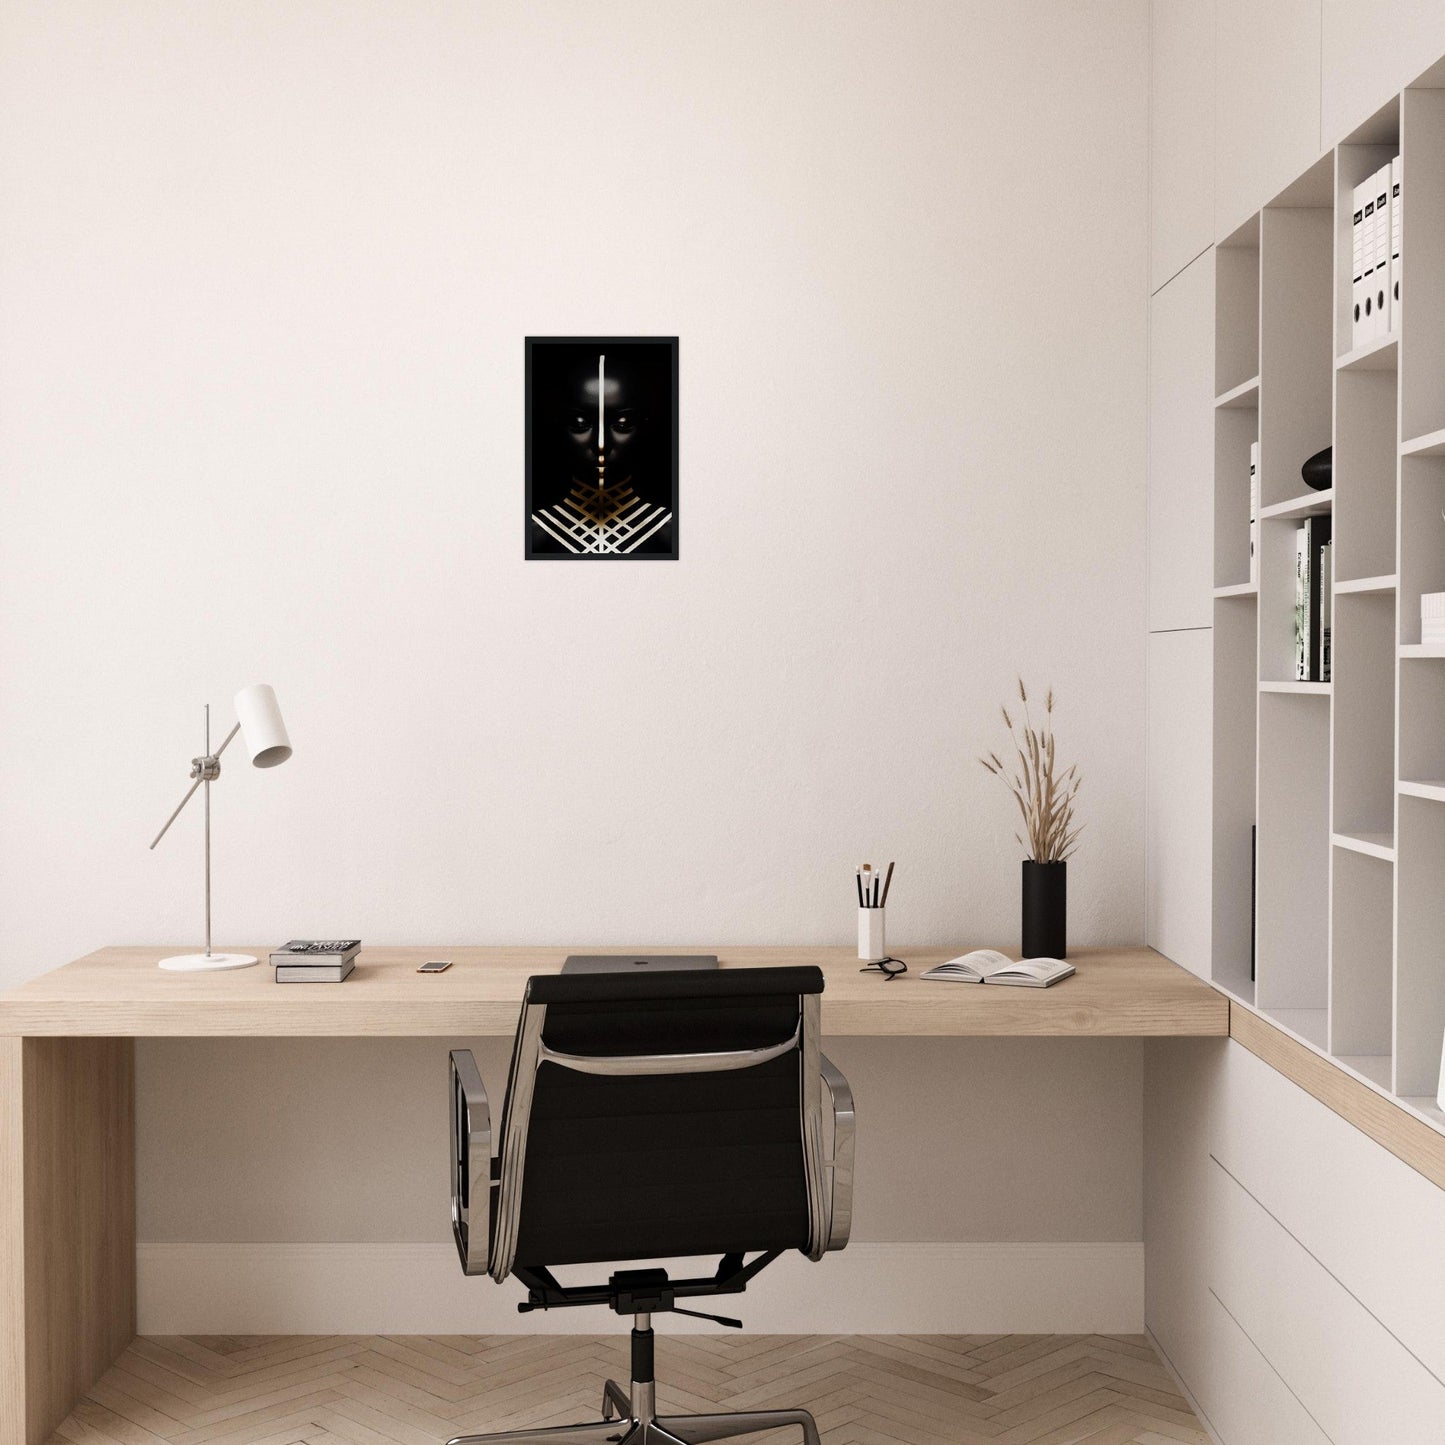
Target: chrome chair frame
486,1211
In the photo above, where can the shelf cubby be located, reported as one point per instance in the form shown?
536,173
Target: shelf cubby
1235,705
1420,960
1422,538
1363,685
1236,301
1362,956
1422,250
1422,724
1294,852
1365,461
1296,330
1357,159
1276,601
1235,429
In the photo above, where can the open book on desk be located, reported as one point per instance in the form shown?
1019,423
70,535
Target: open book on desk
987,965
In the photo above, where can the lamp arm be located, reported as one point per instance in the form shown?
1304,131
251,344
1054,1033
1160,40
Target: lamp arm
199,771
235,728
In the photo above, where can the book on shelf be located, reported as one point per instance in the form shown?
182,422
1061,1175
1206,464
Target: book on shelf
1310,610
1318,535
1326,607
1254,513
316,952
1301,605
988,965
314,972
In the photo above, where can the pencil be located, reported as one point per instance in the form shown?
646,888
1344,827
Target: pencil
887,884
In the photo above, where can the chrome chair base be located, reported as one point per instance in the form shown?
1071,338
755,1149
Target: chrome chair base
641,1427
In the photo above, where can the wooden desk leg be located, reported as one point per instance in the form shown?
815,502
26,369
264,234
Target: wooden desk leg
67,1224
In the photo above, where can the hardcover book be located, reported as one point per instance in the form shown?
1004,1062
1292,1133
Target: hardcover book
314,952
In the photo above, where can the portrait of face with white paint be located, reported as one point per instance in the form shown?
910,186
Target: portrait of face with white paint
601,447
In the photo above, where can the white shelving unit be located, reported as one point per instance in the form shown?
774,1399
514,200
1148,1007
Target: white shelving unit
1337,789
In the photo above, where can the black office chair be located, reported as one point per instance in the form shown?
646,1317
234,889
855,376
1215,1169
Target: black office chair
650,1117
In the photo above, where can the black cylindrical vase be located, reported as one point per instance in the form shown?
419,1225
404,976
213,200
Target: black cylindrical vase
1046,909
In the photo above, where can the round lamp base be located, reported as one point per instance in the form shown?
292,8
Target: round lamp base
206,962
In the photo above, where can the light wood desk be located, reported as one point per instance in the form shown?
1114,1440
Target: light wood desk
67,1167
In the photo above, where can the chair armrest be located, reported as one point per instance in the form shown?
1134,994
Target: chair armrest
471,1120
840,1166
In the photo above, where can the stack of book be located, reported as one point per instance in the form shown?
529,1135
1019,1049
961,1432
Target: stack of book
1313,584
315,960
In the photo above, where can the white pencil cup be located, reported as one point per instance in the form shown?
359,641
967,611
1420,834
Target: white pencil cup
871,946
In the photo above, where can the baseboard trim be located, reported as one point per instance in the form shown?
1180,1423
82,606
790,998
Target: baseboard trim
284,1289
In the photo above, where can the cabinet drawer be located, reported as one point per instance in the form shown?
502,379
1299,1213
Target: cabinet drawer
1357,1381
1367,1217
1246,1402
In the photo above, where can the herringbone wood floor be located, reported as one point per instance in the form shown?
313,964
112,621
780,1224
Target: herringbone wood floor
420,1390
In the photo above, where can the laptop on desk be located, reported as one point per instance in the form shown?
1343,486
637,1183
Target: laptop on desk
637,962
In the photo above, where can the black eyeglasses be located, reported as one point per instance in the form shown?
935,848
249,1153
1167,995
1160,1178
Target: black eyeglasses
890,968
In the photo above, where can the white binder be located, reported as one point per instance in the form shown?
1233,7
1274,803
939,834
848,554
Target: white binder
1381,292
1254,513
1367,314
1357,266
1396,223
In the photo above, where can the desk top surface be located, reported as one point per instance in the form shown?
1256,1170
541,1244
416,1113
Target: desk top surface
1117,992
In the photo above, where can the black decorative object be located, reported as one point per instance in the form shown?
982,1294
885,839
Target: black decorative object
1046,908
1319,471
601,447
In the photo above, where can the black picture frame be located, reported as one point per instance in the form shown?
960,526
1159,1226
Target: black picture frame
564,519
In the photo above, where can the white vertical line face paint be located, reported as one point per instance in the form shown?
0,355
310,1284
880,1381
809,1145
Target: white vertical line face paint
601,408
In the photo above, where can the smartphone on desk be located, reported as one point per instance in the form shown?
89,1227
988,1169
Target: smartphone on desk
435,965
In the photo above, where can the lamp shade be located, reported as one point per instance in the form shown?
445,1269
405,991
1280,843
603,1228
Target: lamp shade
261,727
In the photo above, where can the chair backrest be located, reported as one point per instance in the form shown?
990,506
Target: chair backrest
666,1114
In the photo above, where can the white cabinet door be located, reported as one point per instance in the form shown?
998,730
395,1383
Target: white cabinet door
1181,450
1370,49
1266,102
1181,134
1178,812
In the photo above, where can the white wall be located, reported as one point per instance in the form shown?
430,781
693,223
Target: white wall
264,283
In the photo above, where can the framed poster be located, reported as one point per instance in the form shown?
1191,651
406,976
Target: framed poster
601,447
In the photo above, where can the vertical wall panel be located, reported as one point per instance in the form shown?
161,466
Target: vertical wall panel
1369,50
1181,450
1178,818
1181,135
1267,102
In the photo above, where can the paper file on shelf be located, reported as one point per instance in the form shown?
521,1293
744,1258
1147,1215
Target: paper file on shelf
1357,265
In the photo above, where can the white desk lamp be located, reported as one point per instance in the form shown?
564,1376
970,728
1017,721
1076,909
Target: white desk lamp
258,720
